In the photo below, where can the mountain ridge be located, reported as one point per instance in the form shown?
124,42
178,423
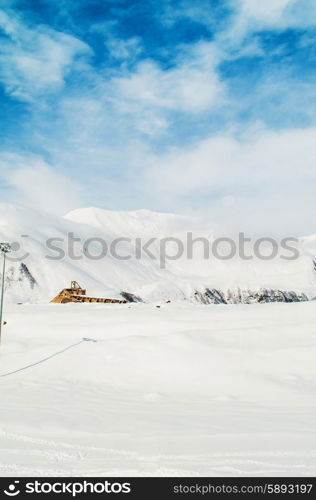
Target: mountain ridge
187,279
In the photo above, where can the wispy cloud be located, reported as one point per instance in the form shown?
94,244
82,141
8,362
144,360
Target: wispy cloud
250,16
30,181
259,175
35,60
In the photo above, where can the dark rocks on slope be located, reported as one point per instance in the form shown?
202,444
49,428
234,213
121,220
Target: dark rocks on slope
24,271
215,296
130,297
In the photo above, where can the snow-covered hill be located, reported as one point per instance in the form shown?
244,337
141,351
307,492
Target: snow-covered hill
176,391
34,272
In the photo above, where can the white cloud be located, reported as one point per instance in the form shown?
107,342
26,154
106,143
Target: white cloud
149,94
32,182
185,88
263,172
124,50
35,60
127,103
267,12
254,15
224,161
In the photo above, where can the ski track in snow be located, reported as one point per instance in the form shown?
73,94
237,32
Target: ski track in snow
2,375
182,390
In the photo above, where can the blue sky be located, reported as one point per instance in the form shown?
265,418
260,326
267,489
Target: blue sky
204,106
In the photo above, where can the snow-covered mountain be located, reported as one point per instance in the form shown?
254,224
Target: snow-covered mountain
36,271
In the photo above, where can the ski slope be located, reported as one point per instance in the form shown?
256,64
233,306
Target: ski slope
178,390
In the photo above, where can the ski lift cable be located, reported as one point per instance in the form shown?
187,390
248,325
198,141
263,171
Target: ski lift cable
85,339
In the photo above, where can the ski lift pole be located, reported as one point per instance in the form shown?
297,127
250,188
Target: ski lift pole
4,249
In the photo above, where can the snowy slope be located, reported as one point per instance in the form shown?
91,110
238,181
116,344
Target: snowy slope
180,390
40,278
